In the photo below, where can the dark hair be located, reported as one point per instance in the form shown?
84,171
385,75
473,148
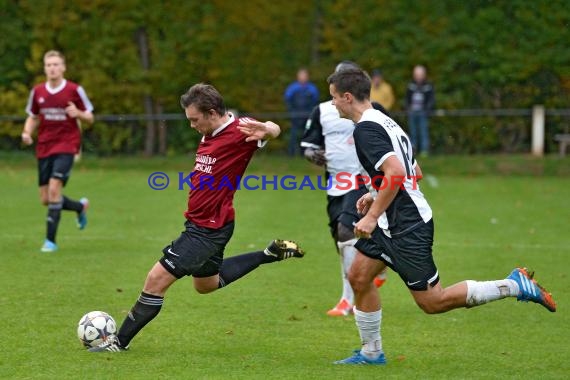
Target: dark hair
204,97
355,81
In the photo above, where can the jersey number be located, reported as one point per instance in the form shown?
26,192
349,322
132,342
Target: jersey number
403,141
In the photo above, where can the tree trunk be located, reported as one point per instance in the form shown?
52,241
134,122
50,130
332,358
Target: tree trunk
161,130
142,42
316,32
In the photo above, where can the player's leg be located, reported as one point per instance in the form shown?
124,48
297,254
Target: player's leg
368,263
413,130
424,133
45,168
145,309
345,243
62,165
53,214
367,310
219,272
235,267
519,283
342,211
417,269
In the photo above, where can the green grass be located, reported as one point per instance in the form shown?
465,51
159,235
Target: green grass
272,323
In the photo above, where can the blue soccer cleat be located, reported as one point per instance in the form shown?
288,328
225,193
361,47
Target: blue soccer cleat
530,290
359,359
82,216
49,246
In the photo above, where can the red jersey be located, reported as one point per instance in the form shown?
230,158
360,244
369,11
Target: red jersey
221,160
57,132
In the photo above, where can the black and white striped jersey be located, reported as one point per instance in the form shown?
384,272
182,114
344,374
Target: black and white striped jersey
376,138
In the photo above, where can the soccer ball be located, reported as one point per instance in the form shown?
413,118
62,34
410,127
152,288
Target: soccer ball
95,327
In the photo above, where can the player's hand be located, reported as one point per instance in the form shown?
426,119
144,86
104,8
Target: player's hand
316,156
71,110
363,203
363,229
253,129
27,139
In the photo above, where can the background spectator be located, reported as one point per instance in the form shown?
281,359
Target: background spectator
300,96
381,91
420,101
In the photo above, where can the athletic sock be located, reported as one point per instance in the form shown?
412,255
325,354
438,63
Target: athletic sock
369,329
70,204
347,253
238,266
53,216
145,309
481,292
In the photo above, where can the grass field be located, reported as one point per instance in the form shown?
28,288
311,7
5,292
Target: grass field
272,324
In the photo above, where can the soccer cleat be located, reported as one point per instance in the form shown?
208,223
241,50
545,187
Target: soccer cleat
49,246
358,358
530,290
283,249
82,216
342,309
109,345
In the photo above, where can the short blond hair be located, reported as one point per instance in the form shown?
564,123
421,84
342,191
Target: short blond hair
54,53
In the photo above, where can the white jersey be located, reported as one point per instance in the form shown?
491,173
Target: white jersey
325,129
378,137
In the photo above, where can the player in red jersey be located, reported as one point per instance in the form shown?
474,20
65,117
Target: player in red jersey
57,107
227,145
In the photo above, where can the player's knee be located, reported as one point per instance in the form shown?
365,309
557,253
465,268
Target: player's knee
343,233
358,281
44,201
204,289
430,306
205,285
155,283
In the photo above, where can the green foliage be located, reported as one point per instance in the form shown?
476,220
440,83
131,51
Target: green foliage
481,54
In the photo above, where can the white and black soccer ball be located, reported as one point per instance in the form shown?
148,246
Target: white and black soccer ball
95,327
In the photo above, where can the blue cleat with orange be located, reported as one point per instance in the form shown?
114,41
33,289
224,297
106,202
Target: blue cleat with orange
530,290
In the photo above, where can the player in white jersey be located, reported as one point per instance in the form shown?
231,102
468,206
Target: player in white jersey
328,142
397,229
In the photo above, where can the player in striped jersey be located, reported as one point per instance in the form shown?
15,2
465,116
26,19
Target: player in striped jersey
397,229
328,142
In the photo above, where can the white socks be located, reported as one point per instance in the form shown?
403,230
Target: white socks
369,329
347,254
481,292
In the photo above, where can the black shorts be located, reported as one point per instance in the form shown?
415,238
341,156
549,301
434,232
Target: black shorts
342,209
410,255
198,252
55,166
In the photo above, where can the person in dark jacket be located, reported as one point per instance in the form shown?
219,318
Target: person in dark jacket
420,101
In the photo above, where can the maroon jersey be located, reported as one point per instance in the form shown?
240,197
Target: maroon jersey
221,160
57,132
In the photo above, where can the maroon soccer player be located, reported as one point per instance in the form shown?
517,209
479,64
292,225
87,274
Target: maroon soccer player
227,145
57,107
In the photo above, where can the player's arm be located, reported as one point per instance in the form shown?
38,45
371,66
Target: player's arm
394,173
72,111
313,141
32,122
258,131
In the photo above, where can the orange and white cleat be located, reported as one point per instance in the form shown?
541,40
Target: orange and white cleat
342,309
